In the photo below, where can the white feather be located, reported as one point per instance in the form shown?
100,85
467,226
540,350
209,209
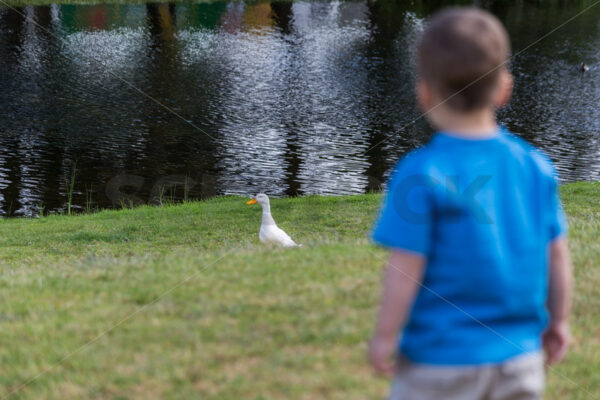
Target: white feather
270,233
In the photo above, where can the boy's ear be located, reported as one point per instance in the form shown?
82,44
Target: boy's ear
424,96
505,88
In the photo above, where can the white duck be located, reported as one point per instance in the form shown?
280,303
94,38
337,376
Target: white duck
269,232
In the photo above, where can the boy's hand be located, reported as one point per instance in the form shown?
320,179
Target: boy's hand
400,286
382,352
556,341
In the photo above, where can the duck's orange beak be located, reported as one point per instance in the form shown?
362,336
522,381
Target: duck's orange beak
253,201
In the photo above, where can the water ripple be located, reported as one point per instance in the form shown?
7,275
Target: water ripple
295,95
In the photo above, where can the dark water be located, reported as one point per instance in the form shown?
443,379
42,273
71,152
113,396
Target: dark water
289,98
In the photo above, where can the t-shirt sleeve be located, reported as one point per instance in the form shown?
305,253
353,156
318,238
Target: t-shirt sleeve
406,217
556,217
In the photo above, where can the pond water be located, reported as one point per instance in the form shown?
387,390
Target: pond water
233,98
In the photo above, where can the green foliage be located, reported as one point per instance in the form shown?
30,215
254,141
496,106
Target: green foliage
70,187
419,6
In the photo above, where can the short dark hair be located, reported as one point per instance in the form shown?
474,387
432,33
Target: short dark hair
461,54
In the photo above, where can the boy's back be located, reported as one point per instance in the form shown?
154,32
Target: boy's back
484,211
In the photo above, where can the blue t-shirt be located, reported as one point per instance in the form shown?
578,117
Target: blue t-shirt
482,212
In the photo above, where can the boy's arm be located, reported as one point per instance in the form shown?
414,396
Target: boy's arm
400,286
556,337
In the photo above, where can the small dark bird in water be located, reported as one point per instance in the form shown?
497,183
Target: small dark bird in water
583,68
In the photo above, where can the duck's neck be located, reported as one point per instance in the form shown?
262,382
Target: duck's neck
267,219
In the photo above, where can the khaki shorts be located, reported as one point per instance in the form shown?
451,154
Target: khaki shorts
520,378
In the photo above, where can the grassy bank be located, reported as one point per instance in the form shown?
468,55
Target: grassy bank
201,310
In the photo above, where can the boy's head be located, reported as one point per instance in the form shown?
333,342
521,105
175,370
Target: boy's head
462,62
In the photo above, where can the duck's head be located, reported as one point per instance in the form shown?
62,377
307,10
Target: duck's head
261,199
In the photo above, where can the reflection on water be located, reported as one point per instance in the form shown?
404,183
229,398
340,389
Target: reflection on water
282,97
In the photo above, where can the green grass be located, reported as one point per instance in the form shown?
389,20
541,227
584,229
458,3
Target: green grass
182,302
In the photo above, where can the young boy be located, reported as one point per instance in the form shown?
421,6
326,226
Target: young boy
479,276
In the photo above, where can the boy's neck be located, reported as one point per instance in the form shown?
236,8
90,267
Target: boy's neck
479,124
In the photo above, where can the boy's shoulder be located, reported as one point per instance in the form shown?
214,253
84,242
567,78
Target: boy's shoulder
435,157
529,154
414,162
